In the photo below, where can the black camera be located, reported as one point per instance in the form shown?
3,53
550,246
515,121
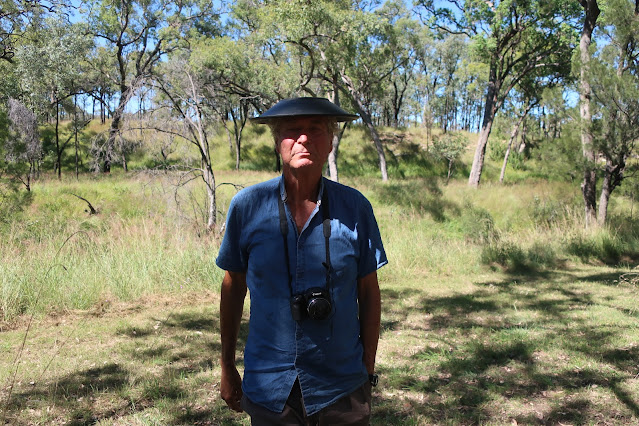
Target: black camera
314,303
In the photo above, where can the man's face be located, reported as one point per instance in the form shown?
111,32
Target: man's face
304,142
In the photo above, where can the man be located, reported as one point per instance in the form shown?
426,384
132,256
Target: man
308,250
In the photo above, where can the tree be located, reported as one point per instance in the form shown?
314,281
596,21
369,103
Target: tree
450,51
15,16
140,33
238,79
615,88
531,90
449,146
339,46
51,69
183,96
589,184
23,148
515,39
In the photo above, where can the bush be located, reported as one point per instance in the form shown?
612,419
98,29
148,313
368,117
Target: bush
513,258
12,201
600,247
505,254
478,225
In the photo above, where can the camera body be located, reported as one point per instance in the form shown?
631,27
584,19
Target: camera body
315,303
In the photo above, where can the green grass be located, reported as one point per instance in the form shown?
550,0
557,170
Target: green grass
498,307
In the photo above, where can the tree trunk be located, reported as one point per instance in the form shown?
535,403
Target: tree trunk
209,180
58,151
480,154
450,170
75,134
366,118
334,154
114,130
77,159
588,186
490,109
606,191
427,117
378,147
513,135
332,159
333,172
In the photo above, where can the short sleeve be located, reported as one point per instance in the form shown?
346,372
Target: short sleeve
231,256
372,254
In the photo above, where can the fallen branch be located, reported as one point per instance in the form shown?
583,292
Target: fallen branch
91,210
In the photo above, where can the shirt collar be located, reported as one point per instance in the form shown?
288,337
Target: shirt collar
284,195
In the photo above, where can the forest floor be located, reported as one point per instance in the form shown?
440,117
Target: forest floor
558,347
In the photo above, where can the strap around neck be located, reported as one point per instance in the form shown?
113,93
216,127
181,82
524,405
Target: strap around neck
326,228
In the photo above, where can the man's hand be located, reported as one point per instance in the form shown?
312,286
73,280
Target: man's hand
231,388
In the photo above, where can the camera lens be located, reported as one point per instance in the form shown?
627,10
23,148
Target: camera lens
319,308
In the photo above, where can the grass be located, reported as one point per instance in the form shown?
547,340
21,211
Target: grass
560,347
498,308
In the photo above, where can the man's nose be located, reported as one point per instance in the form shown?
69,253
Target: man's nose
303,137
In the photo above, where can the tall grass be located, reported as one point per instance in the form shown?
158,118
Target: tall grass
55,256
147,236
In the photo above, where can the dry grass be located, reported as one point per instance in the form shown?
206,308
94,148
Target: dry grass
492,349
497,307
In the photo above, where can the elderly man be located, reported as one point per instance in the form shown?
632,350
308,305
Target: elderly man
308,250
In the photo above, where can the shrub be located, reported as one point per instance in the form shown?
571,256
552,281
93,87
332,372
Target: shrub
600,246
478,225
505,254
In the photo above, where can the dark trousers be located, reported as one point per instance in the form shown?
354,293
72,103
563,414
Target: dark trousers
352,409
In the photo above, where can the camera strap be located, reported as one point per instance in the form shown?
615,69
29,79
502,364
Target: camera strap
326,228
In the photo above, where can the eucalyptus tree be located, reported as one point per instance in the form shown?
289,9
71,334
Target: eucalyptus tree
51,69
428,79
615,88
240,77
400,84
182,110
16,16
99,84
140,33
23,147
527,95
515,39
350,49
527,104
472,75
589,184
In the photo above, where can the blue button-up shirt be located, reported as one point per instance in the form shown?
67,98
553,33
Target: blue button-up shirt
326,355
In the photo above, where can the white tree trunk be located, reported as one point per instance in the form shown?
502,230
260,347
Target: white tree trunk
332,159
589,184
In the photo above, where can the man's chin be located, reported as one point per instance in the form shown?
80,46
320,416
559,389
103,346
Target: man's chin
302,163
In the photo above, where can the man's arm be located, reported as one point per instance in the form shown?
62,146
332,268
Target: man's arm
231,307
370,310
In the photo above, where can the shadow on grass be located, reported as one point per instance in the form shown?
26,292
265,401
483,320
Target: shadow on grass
74,393
159,368
422,195
524,349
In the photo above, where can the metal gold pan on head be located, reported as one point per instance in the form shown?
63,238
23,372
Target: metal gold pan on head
297,107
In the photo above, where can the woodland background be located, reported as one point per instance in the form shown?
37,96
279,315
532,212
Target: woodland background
496,142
